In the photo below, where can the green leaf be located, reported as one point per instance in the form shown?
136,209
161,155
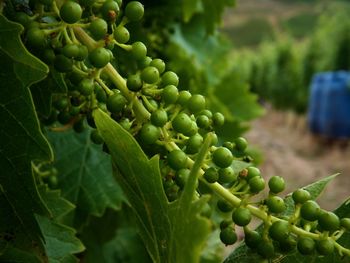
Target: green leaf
84,175
189,8
117,241
167,235
60,241
21,140
244,255
14,255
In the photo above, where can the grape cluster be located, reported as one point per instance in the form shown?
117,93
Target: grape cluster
79,41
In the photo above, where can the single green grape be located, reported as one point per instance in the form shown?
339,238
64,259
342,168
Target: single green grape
138,50
196,103
71,12
279,230
86,87
110,10
99,57
159,117
256,184
300,196
345,223
182,123
98,28
150,75
177,159
276,184
159,64
266,249
149,133
211,175
226,175
275,204
241,216
218,119
252,172
310,210
134,11
181,177
203,121
325,247
36,38
134,82
170,78
222,157
224,206
241,144
252,238
329,221
116,103
306,245
228,236
121,34
194,143
170,94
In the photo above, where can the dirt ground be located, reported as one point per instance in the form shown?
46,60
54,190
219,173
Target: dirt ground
290,151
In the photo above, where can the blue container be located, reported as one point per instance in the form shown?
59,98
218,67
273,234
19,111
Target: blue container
329,104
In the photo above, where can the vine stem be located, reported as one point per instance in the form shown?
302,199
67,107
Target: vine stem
142,114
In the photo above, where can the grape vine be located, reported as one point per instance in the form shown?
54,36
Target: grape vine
81,42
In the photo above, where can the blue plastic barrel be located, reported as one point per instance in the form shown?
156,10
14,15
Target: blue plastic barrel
329,104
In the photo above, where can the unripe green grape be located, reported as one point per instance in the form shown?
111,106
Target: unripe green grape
228,236
116,103
109,10
70,50
182,123
138,50
218,119
159,117
149,133
121,34
98,28
86,87
256,184
145,62
170,78
193,129
266,249
63,64
134,11
181,177
228,145
275,204
306,245
214,139
101,95
310,210
252,238
325,247
74,111
183,98
196,103
52,181
36,38
241,144
134,82
207,113
159,64
71,12
99,57
279,230
329,221
222,157
224,206
252,172
170,94
150,75
300,196
61,103
194,143
83,53
276,184
203,121
345,223
287,245
211,175
177,159
226,175
241,216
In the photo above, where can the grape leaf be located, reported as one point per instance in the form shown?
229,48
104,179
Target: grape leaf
21,140
85,175
244,254
170,232
117,241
